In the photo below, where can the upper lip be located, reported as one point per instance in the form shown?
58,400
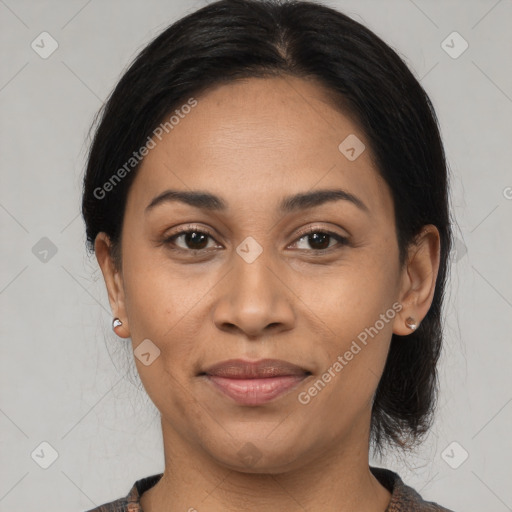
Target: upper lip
265,368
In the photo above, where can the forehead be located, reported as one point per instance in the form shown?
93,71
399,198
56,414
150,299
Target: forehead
259,137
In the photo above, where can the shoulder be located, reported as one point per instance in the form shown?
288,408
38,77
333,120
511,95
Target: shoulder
130,502
403,497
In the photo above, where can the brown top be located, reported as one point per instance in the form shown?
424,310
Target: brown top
403,497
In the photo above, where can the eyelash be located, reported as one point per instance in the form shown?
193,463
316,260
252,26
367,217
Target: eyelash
342,241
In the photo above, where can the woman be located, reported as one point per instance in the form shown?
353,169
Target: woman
267,198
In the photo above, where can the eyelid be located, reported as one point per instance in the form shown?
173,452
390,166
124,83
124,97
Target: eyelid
320,229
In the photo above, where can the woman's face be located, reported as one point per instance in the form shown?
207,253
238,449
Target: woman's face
255,286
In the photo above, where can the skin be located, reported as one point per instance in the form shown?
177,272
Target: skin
253,143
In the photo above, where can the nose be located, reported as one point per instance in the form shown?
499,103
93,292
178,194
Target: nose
254,300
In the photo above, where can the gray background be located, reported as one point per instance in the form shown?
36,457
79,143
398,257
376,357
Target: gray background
68,381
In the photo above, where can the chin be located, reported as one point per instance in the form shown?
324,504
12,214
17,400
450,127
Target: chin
257,454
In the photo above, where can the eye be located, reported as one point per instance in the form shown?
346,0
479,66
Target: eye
320,239
194,239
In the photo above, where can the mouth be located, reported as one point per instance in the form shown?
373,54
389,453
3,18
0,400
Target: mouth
254,383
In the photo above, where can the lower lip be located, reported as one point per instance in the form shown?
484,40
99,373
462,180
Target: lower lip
255,391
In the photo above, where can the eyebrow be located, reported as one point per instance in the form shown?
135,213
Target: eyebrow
211,202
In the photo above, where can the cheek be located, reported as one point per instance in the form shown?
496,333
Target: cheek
356,308
354,297
156,294
169,308
344,388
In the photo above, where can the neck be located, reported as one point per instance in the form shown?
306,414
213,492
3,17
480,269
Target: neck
332,482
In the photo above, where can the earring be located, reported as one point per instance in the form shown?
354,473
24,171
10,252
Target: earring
116,323
411,323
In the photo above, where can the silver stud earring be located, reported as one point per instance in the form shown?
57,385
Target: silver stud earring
411,323
116,323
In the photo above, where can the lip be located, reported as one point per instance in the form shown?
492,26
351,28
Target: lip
255,383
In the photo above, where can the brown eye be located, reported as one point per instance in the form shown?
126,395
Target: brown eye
192,239
319,240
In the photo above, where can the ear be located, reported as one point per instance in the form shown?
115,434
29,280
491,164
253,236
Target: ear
418,279
113,280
